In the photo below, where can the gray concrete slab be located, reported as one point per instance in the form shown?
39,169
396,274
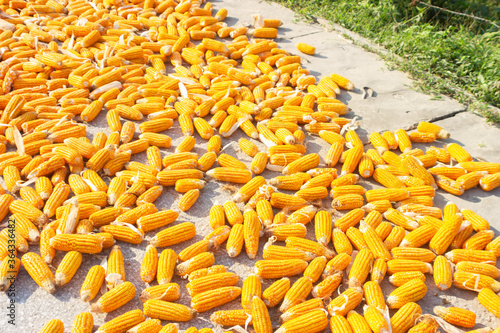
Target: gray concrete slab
395,105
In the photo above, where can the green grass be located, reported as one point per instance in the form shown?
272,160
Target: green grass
446,54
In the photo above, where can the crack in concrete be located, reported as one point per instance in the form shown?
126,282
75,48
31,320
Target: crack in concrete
307,34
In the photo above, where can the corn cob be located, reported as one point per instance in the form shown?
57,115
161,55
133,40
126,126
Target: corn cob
38,271
456,316
53,325
405,317
403,265
123,322
230,317
166,292
92,284
375,319
360,268
164,310
490,301
313,321
115,298
411,291
67,268
273,269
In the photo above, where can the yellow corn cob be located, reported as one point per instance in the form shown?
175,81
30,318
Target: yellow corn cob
340,324
115,298
58,196
456,316
301,308
68,267
403,265
375,319
25,228
38,271
373,218
53,326
347,201
163,310
212,298
297,293
345,302
325,288
444,236
395,237
400,278
174,235
416,169
358,322
477,221
22,208
312,321
166,266
123,322
211,282
188,199
405,317
442,273
197,248
479,240
251,230
83,323
490,301
411,291
494,246
427,324
356,238
149,264
304,163
479,268
373,295
374,242
202,260
490,182
124,233
230,317
233,175
235,241
273,269
360,268
341,242
92,284
413,254
470,281
251,288
379,270
74,242
47,252
387,179
232,213
309,246
350,219
403,140
249,189
419,236
166,292
458,153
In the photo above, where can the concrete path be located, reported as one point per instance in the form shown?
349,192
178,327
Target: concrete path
394,105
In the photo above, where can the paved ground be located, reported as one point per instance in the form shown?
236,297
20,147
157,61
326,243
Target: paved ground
394,105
